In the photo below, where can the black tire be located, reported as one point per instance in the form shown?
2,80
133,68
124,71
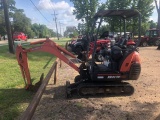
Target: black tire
66,45
78,50
144,44
157,42
77,78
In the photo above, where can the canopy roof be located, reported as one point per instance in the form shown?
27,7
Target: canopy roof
125,13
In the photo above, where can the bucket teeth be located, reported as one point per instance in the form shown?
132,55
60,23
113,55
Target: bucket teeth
35,87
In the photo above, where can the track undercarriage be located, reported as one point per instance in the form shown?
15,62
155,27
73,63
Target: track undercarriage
98,89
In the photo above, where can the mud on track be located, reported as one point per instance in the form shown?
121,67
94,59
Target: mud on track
144,104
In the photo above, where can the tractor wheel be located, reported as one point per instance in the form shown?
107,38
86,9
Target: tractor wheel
77,78
66,45
78,50
144,44
157,42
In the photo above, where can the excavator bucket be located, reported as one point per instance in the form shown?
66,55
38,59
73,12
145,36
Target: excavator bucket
40,46
38,84
35,87
23,62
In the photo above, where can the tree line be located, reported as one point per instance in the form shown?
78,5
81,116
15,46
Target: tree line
86,9
20,23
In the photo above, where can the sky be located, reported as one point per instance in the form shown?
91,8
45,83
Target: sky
62,8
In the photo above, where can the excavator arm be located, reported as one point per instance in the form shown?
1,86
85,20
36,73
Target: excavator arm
48,46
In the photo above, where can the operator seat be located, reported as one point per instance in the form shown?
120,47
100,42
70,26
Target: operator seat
114,56
119,52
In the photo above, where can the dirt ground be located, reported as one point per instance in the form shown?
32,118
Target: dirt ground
144,104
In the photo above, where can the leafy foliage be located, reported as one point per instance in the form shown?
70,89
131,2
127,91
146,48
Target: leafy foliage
85,10
71,32
152,24
144,6
21,23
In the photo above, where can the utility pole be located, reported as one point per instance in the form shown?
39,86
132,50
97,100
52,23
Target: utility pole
63,32
55,18
60,27
8,27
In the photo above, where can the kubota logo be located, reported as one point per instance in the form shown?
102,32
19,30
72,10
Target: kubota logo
113,76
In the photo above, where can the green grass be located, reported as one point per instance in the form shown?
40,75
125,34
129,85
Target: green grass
62,41
14,99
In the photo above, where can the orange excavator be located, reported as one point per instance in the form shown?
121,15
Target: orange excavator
120,63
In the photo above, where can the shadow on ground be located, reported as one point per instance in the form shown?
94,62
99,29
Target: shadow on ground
13,102
54,105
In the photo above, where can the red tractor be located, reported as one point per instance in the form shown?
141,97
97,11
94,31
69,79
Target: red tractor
120,63
151,37
17,36
80,45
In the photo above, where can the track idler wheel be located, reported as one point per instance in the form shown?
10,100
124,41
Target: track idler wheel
128,90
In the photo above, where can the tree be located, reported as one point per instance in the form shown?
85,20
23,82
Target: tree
158,11
85,10
152,24
42,31
8,28
115,23
144,6
103,28
11,7
20,22
81,28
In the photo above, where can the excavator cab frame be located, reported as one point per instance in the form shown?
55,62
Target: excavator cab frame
123,15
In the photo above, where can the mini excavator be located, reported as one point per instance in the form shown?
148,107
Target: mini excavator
120,63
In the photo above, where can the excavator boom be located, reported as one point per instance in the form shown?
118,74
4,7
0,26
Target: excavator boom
48,46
